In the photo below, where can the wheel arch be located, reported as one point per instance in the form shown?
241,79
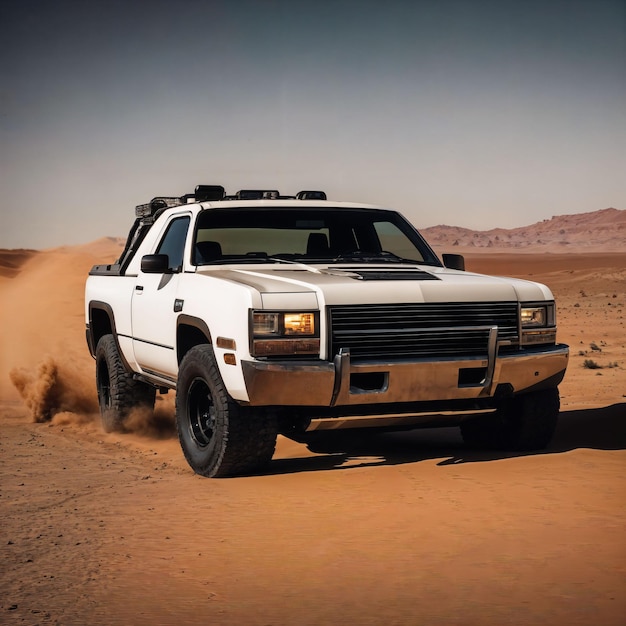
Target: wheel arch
101,322
190,331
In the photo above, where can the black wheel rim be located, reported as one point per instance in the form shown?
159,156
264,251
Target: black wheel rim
201,413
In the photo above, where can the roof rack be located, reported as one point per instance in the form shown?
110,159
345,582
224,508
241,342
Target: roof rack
208,193
156,204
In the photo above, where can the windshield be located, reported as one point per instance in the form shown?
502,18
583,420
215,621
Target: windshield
307,235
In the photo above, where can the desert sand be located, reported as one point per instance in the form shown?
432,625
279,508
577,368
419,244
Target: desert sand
410,528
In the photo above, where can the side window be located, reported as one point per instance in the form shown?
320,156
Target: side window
173,242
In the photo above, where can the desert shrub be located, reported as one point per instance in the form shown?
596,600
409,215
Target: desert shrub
590,364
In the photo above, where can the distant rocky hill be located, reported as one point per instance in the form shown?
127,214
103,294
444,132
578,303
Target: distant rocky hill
603,230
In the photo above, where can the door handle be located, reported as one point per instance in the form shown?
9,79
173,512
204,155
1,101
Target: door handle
138,287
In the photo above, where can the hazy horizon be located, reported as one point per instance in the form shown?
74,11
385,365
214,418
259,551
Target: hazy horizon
474,114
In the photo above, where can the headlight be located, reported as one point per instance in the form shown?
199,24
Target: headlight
533,316
266,323
278,333
278,324
299,324
538,323
537,316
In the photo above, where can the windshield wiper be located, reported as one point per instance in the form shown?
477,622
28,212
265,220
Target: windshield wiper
301,264
250,257
371,257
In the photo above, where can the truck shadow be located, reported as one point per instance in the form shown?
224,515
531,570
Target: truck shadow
596,428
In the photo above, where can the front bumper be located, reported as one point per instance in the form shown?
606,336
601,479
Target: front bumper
344,383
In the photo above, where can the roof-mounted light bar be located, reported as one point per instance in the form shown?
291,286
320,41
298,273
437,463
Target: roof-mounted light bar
204,193
311,195
208,193
257,194
156,204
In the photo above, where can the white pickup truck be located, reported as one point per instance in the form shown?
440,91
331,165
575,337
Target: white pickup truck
317,320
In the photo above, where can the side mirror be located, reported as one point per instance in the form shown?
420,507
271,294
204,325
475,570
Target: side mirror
155,263
454,261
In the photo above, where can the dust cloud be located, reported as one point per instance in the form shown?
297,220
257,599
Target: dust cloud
59,389
155,424
52,388
64,394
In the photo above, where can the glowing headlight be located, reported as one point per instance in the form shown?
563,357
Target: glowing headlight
283,324
286,334
299,323
538,315
538,323
533,316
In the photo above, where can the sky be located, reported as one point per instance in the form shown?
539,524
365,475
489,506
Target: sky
474,113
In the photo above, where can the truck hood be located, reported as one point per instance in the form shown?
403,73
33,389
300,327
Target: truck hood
375,283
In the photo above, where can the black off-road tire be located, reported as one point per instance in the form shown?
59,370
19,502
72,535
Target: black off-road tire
118,392
525,422
219,437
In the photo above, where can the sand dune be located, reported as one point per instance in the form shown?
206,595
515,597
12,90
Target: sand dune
42,316
409,528
12,260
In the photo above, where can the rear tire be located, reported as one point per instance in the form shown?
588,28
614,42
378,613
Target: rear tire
118,392
218,436
525,422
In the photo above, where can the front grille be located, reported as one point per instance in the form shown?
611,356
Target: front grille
398,331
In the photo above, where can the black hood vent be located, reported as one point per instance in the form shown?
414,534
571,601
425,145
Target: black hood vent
388,274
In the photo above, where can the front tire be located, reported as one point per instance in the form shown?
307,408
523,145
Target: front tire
218,436
525,422
118,392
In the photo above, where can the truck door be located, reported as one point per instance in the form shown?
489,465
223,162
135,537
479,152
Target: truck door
154,309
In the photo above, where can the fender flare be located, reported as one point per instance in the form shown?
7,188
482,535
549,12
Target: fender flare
99,305
194,322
